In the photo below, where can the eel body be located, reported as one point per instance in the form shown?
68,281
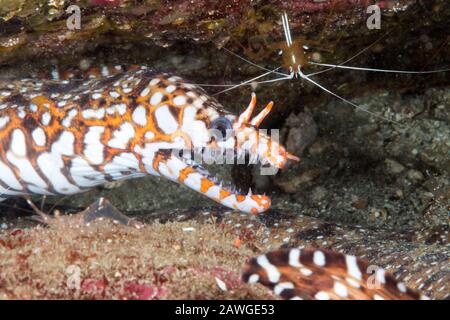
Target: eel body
61,137
318,274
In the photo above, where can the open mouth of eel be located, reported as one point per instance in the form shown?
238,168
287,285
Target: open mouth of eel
249,145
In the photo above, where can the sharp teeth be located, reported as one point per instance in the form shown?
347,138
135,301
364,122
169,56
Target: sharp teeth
250,192
254,159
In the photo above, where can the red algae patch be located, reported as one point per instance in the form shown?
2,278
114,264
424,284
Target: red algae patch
103,260
196,254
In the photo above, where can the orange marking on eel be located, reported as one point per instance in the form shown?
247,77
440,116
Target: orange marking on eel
42,101
259,201
205,185
240,198
224,193
185,172
158,158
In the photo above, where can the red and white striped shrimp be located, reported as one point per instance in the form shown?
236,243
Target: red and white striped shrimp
66,136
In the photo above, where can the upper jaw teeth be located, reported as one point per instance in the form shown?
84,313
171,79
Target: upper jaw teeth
222,156
253,159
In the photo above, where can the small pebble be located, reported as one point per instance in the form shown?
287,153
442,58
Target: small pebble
360,203
415,175
318,193
399,193
393,167
221,284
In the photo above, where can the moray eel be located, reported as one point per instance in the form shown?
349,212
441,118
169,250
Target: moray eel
60,137
318,274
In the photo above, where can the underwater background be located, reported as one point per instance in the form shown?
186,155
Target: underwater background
375,188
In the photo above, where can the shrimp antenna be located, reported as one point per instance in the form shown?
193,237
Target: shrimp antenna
342,64
375,70
4,205
352,57
250,62
8,206
287,29
303,76
247,81
233,86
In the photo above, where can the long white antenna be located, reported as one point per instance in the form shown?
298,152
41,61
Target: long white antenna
352,57
250,62
376,70
287,30
247,81
303,76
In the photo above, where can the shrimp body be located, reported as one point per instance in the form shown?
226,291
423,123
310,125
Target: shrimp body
295,59
65,137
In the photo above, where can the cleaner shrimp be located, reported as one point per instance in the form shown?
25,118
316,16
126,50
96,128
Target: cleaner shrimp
295,59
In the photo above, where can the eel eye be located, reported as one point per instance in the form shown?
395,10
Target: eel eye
222,128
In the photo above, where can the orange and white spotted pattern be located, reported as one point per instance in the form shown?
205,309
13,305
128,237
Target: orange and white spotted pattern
62,137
